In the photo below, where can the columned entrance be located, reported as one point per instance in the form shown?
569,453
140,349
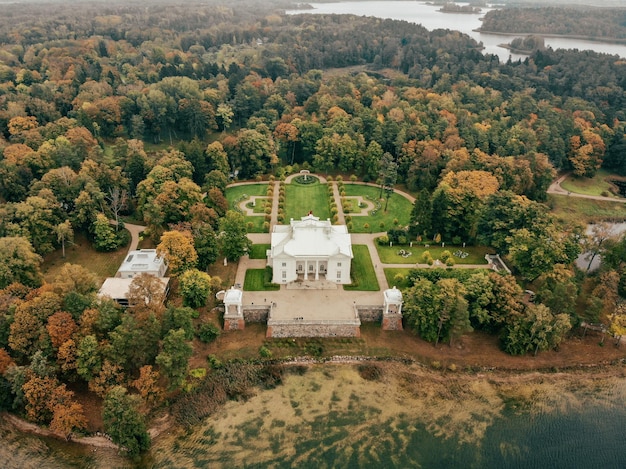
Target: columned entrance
311,269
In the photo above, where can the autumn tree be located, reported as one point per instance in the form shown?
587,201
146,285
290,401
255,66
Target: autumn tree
457,200
537,328
195,287
145,293
67,418
64,233
19,262
61,327
178,250
147,384
110,375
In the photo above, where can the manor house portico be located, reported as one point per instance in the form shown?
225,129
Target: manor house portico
310,249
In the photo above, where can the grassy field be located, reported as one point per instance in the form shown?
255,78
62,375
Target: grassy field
299,200
391,273
258,251
234,195
398,208
259,206
597,185
362,271
575,210
103,264
389,255
256,280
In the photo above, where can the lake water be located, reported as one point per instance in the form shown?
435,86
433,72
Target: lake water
429,17
331,417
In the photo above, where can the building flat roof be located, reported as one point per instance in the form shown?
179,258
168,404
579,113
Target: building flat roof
117,288
142,260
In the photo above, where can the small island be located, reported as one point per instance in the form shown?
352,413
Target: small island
525,45
450,7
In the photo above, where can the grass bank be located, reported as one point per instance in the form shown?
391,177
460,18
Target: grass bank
362,271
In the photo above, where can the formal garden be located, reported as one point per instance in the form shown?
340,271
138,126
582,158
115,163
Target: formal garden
301,199
236,194
398,210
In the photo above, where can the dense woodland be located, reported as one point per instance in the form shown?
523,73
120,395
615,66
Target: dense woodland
583,21
110,110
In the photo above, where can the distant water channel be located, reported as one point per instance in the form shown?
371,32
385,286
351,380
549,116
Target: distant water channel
428,16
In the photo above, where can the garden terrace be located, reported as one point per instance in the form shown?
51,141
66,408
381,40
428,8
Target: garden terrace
399,208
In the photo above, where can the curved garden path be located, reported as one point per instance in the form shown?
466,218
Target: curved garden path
555,188
134,231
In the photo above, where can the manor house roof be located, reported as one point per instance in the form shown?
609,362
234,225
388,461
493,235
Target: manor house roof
311,237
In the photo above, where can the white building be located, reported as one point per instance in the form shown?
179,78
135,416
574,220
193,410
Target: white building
117,289
142,261
310,249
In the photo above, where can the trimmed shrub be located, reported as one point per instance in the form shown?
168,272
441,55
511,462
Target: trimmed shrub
207,332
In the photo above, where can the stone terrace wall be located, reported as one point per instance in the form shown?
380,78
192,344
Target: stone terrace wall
370,313
292,329
254,313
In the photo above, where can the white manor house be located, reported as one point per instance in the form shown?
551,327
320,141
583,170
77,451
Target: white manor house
310,249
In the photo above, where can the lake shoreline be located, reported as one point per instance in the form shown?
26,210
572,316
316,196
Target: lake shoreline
613,41
162,424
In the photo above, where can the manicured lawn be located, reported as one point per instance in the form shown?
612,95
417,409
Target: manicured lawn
234,193
353,201
259,205
258,251
389,255
597,185
362,271
398,207
390,275
256,281
574,210
234,196
300,199
103,264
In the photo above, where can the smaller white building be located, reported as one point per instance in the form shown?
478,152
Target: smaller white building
310,249
117,289
142,261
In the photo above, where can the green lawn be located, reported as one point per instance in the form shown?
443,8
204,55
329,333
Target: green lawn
300,199
258,280
389,255
575,210
390,275
259,205
258,251
234,193
597,185
234,196
362,270
398,207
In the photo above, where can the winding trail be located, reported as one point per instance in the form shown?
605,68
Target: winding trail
555,188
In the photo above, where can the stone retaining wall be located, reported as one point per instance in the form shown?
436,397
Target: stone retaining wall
254,313
371,313
280,329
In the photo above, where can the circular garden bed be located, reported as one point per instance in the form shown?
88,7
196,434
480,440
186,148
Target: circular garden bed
305,179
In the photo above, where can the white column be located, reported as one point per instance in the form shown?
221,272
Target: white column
306,270
317,270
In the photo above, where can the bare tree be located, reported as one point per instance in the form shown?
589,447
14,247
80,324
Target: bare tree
118,199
